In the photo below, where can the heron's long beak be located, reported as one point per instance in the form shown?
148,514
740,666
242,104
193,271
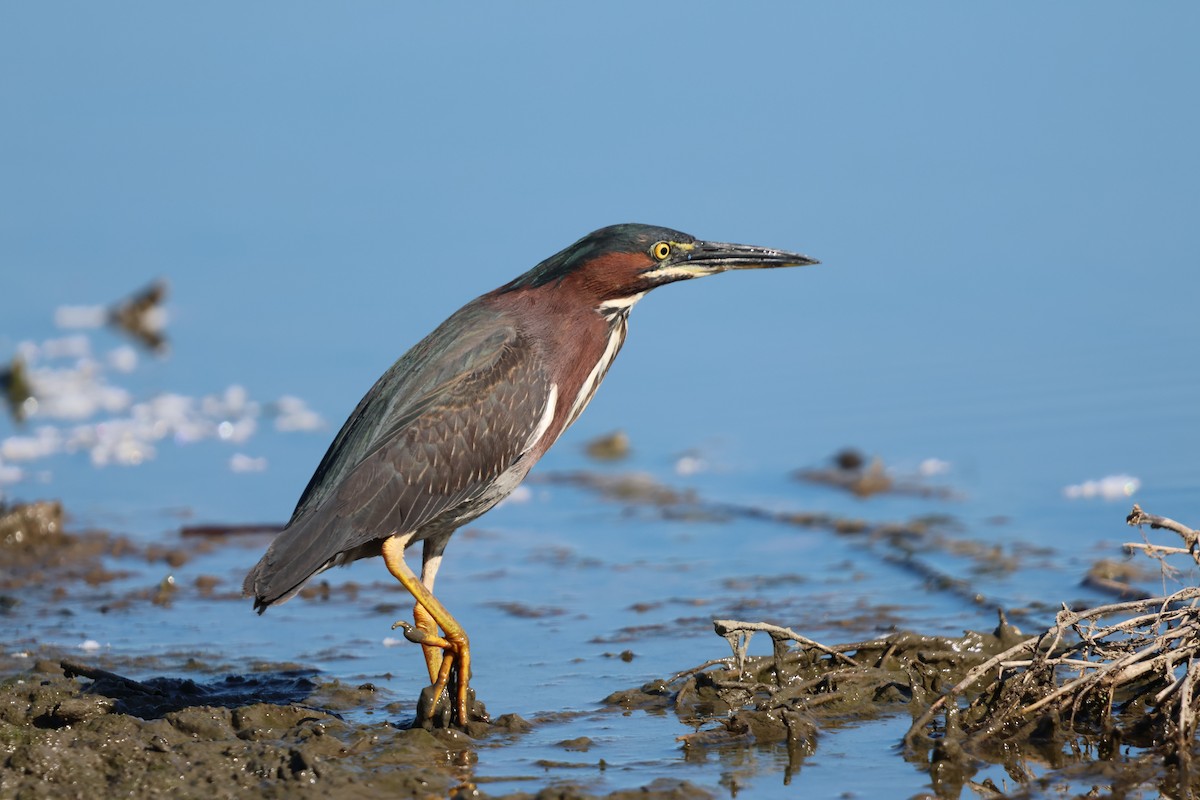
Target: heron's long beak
713,257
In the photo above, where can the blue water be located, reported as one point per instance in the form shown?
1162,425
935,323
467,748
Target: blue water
1005,212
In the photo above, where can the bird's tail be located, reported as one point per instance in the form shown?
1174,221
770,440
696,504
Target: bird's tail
300,551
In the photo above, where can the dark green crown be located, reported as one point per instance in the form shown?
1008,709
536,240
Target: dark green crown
630,237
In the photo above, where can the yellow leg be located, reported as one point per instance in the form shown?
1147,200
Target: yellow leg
433,654
456,651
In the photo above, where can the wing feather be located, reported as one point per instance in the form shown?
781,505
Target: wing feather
425,447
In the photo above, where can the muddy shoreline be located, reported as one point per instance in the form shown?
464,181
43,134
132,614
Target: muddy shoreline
66,736
73,720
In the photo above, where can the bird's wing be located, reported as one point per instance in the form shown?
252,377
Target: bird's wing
471,341
449,450
432,436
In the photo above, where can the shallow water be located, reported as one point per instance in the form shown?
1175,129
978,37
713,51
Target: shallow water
590,578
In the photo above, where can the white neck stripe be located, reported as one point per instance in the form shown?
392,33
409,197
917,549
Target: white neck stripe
547,417
615,337
619,304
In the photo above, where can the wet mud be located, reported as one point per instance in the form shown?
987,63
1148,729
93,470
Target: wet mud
69,725
803,688
68,729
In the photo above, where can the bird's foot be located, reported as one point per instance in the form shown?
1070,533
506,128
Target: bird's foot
455,702
433,715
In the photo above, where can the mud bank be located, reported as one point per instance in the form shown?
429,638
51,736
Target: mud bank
64,736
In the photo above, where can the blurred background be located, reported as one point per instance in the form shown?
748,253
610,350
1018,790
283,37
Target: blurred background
1004,204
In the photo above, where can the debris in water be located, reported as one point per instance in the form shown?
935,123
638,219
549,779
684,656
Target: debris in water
852,472
609,447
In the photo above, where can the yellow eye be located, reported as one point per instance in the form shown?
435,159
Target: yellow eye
661,250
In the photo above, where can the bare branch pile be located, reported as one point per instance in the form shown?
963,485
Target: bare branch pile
1117,683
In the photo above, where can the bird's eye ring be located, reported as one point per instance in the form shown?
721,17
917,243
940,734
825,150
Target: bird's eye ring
661,250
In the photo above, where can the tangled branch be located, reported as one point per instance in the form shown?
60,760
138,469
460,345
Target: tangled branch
1099,680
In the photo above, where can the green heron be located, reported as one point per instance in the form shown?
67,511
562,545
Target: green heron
454,426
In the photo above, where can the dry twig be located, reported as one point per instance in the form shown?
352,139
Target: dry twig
1129,670
742,631
1191,538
